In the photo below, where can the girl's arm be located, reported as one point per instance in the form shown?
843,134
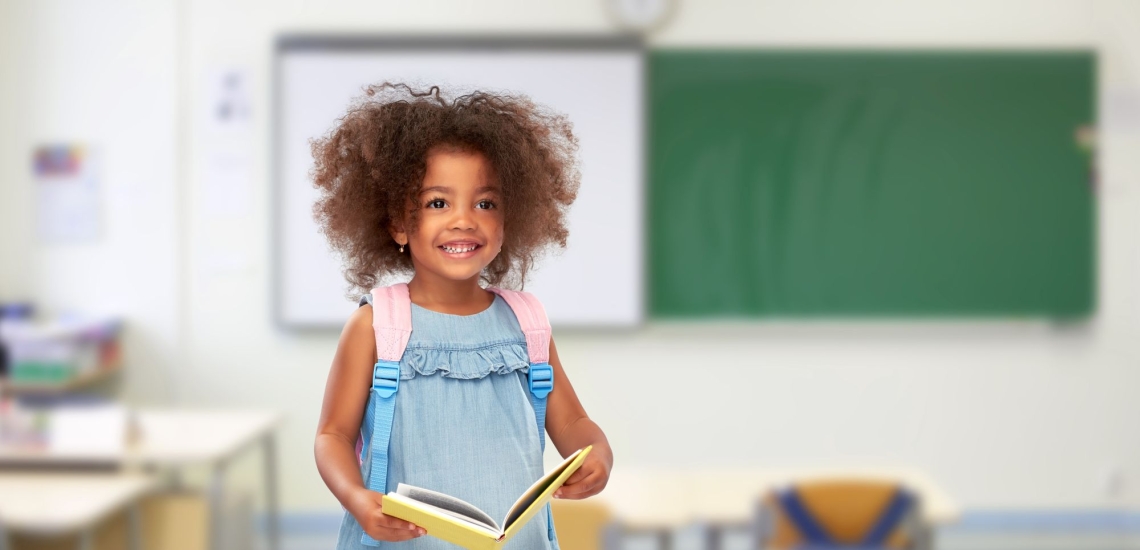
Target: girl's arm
346,395
571,429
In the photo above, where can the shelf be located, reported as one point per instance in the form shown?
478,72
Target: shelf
74,383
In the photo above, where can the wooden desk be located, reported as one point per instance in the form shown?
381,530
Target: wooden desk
658,500
62,504
175,438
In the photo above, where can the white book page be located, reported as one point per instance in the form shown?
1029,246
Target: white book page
449,505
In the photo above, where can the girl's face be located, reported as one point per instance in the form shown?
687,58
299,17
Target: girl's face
460,228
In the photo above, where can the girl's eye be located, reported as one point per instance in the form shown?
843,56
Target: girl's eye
436,203
486,205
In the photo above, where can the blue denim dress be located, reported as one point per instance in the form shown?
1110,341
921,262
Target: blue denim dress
463,423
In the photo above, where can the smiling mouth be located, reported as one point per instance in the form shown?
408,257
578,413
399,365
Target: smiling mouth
459,249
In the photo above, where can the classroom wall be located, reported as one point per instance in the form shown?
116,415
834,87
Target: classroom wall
102,74
1003,414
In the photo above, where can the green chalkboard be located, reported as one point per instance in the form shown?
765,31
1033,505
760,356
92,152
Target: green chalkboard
845,184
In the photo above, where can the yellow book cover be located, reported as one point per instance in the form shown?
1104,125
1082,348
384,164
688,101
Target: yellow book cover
458,522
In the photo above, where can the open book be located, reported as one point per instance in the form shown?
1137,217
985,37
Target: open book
458,522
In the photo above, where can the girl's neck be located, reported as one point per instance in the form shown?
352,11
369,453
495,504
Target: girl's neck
448,296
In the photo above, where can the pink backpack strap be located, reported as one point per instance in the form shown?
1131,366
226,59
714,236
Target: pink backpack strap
392,321
532,320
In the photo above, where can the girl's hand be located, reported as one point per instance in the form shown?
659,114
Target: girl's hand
588,481
367,508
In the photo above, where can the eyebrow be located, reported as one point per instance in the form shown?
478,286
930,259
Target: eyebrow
444,189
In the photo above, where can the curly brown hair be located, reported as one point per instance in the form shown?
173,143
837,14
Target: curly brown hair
370,167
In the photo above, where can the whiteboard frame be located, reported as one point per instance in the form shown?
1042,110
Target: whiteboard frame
291,42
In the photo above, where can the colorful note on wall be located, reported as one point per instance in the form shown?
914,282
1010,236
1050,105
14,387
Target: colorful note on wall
67,193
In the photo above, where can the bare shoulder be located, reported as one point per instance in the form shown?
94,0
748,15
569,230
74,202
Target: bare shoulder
362,317
358,335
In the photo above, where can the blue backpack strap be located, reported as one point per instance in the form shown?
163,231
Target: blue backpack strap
813,534
541,382
893,513
392,321
540,379
540,375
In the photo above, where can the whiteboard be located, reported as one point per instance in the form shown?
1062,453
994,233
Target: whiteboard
595,282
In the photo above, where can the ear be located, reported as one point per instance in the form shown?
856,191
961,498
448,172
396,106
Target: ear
396,230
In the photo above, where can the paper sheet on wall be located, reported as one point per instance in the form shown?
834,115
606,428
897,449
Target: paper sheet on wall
67,193
227,145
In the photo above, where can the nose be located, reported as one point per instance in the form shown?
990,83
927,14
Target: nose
463,218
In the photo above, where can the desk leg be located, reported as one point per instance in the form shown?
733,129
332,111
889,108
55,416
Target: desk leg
713,536
612,537
272,510
665,539
925,538
86,539
217,500
134,526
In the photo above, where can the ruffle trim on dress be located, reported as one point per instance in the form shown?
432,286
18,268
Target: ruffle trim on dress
465,364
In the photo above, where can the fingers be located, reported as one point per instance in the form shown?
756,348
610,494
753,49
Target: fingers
587,488
577,476
590,485
392,535
385,527
574,479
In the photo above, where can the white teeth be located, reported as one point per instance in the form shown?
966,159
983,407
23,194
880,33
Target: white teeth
451,250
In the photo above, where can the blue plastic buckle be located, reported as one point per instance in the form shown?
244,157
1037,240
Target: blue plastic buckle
386,378
541,379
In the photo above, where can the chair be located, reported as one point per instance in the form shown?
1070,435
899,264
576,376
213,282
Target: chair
839,513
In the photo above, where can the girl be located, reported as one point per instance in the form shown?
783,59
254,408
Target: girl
454,192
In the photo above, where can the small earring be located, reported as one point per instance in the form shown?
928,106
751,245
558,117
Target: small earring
401,249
